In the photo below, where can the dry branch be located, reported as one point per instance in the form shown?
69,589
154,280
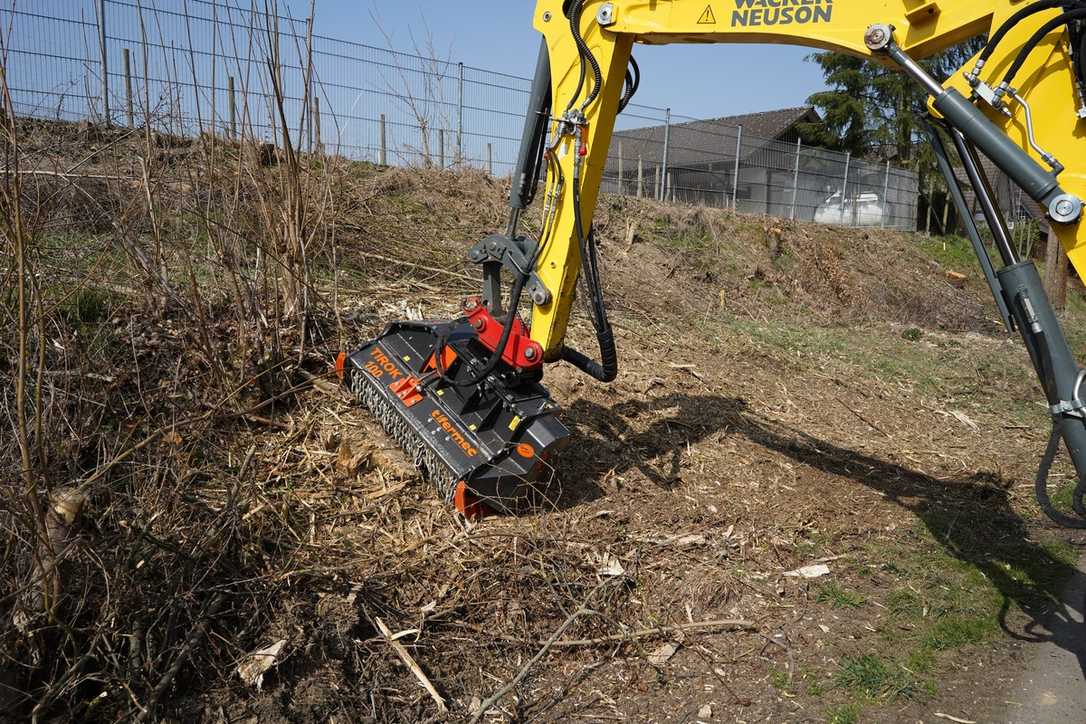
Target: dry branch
413,667
581,610
195,637
718,625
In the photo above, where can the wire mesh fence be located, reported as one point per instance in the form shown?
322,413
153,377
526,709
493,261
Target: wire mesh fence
196,66
715,164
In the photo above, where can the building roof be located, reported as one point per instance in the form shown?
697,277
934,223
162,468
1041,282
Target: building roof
767,124
697,143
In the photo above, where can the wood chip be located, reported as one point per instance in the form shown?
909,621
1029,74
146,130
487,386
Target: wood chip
955,719
965,420
662,654
255,665
687,368
956,279
816,571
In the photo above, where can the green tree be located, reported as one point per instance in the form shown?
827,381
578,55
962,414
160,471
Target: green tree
876,111
843,108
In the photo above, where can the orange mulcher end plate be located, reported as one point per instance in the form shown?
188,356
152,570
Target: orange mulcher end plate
469,506
341,364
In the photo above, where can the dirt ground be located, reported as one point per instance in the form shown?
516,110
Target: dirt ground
743,441
790,396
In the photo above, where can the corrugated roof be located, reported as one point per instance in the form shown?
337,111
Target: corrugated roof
696,143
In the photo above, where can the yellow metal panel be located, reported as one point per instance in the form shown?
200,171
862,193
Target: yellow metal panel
1047,83
560,260
922,28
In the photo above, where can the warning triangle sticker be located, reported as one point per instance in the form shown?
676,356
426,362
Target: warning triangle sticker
707,17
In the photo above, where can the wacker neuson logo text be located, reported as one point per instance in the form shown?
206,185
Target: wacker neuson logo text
755,13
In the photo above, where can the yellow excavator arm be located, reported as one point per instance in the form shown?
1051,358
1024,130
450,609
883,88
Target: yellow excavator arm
464,396
921,28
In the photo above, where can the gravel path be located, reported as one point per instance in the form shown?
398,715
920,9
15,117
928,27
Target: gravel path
1052,688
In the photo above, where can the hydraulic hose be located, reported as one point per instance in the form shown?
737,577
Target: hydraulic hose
1041,488
1040,35
586,56
496,356
575,23
1012,21
633,83
1080,59
606,370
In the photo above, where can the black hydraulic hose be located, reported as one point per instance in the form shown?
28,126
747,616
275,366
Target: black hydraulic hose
574,22
586,55
496,356
628,84
1040,486
1012,21
1040,35
1080,59
606,370
633,83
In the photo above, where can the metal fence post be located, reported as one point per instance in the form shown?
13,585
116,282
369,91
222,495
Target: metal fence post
640,177
441,148
885,196
490,158
844,188
795,179
667,151
273,120
621,170
105,60
931,204
308,81
735,175
383,157
317,122
216,126
460,118
657,192
233,108
130,113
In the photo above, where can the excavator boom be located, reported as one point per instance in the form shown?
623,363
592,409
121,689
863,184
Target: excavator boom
451,388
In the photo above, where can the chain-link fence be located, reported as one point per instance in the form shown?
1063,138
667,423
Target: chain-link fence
715,164
193,66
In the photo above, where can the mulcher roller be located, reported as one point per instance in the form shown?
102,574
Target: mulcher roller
485,445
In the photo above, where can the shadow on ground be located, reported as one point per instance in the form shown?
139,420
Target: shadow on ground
969,516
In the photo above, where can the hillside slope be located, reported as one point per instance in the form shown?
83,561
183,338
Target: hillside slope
791,395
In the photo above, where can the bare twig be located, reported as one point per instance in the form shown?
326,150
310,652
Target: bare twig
195,636
581,610
721,624
955,719
413,667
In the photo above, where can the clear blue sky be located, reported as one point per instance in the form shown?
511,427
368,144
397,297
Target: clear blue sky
701,81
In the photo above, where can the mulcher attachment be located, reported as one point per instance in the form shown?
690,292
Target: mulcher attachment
485,446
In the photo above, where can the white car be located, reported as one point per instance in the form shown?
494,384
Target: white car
862,210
